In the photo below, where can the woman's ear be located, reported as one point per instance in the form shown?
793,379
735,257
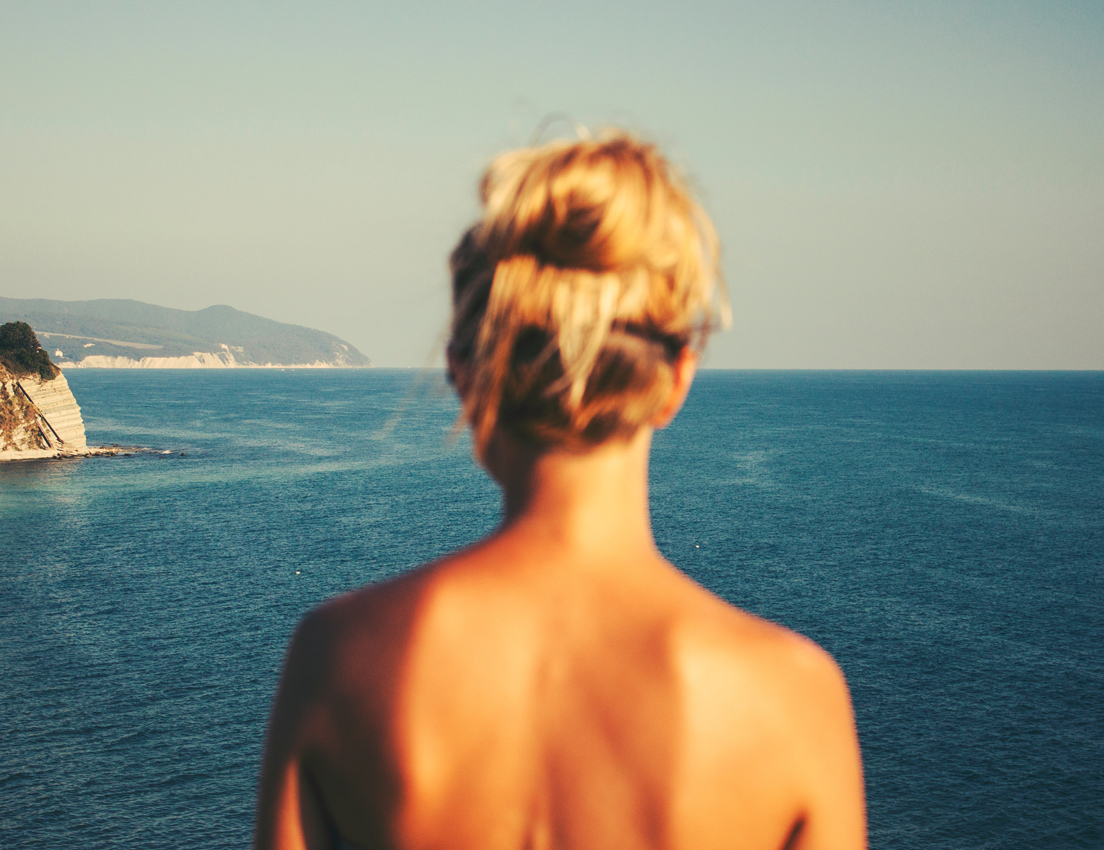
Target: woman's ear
686,366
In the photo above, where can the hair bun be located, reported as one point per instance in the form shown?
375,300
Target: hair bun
596,250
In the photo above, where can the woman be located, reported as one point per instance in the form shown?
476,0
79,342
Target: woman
559,684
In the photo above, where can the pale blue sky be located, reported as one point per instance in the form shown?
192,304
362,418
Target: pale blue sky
895,185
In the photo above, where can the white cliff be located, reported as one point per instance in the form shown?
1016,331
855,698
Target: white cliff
196,360
199,360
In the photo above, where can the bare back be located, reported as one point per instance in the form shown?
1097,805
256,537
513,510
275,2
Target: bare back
523,696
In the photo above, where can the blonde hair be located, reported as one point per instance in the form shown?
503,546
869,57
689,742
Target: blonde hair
574,295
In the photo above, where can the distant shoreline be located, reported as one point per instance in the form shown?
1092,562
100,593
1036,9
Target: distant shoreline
139,365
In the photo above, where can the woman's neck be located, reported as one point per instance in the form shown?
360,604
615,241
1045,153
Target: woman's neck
591,501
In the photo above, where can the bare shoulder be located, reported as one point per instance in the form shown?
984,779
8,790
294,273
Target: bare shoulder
341,654
768,721
740,664
733,648
329,756
353,644
368,614
354,650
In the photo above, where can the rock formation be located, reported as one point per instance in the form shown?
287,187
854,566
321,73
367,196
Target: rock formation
38,415
38,418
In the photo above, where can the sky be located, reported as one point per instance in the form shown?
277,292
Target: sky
895,185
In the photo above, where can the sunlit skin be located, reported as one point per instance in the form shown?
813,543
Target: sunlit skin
558,684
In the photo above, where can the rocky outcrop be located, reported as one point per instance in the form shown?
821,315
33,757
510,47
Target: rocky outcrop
38,418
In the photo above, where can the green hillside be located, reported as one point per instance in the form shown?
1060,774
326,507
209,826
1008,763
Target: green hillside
124,328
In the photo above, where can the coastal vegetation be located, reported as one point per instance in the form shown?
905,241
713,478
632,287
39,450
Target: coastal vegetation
21,353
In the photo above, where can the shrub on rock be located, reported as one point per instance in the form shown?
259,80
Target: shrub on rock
21,353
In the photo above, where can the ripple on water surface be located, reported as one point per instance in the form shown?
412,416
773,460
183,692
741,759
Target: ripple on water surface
940,534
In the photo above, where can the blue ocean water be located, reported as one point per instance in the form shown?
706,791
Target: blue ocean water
942,534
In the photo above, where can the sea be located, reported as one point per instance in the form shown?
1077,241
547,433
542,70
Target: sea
940,533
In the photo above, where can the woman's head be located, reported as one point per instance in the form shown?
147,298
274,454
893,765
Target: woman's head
574,296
